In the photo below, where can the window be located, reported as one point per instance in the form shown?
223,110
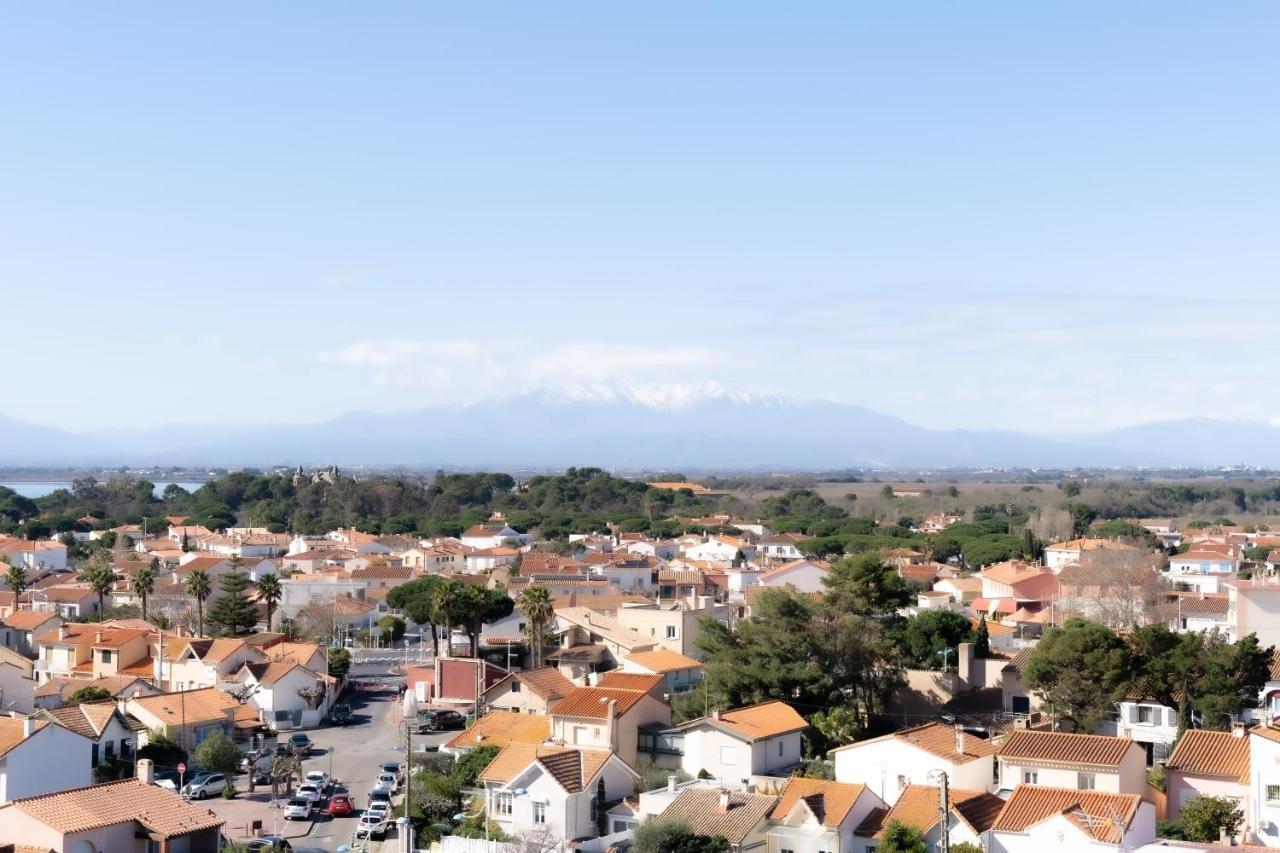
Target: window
622,825
727,755
106,655
779,749
93,759
1030,777
502,804
1086,782
902,782
1146,715
540,814
595,809
515,687
111,750
1273,795
669,632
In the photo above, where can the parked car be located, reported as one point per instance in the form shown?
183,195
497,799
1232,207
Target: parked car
340,715
318,778
371,826
300,743
433,720
268,844
388,781
310,792
201,787
393,767
298,808
383,794
340,805
261,768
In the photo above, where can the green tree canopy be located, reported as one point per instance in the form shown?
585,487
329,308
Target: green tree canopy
232,611
931,638
902,838
670,836
88,694
218,752
1079,670
865,585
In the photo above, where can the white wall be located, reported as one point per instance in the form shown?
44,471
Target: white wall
888,765
50,760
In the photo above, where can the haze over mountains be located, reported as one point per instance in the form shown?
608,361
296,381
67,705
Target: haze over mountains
702,426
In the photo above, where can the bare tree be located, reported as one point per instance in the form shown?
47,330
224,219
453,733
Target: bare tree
1118,588
1052,524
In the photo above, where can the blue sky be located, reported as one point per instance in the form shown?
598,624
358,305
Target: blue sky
1047,216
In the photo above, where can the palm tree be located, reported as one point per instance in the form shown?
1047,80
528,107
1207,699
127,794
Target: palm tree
142,585
199,588
536,605
269,593
16,578
98,574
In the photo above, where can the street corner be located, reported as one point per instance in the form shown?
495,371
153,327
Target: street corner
250,815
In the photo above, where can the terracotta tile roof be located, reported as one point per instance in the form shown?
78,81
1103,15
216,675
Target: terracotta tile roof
270,673
113,684
89,634
575,769
1093,812
500,728
221,649
1211,753
11,732
547,681
768,719
1064,748
196,706
593,702
662,660
514,758
616,680
699,808
829,801
917,806
299,652
82,809
87,718
938,740
27,620
1013,572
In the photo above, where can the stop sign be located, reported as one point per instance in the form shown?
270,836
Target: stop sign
182,768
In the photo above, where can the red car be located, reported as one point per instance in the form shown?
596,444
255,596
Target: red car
340,806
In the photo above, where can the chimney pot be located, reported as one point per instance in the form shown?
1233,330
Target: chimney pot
1237,729
724,802
28,727
672,781
715,715
97,636
146,771
960,739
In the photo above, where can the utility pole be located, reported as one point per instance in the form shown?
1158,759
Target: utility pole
408,773
944,808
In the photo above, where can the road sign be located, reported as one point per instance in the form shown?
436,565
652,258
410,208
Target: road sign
182,768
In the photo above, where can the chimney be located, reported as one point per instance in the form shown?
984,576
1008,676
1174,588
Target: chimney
146,771
715,715
1237,729
121,703
28,727
959,739
97,636
672,781
723,807
62,632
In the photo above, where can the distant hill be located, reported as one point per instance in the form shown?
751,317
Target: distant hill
709,426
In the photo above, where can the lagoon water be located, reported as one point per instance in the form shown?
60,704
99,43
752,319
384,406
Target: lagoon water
38,489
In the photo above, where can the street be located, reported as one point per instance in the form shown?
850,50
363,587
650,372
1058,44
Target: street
352,755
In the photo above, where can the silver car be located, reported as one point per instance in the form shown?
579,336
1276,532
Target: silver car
298,808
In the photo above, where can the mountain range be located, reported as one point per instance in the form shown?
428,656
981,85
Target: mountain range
704,427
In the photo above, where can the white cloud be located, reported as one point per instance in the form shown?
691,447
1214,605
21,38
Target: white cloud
467,369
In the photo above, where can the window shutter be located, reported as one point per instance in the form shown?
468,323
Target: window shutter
1133,713
1171,716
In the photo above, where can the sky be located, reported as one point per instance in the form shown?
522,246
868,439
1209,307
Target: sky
1056,217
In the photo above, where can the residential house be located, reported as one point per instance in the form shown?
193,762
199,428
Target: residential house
34,554
93,650
458,681
969,817
1016,697
816,815
590,642
721,549
1147,722
188,716
608,718
1037,818
740,817
1201,569
288,694
17,682
493,535
102,724
1253,607
37,756
192,663
68,600
58,691
1078,761
1263,798
21,627
499,728
802,575
488,559
1208,763
674,626
534,691
550,793
1199,611
1061,554
679,672
889,764
128,816
1014,584
961,590
733,746
663,549
782,546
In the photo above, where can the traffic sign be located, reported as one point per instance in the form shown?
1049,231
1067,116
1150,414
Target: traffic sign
182,768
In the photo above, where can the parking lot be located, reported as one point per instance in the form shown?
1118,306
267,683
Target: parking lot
352,756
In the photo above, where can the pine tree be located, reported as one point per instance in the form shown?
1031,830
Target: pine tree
982,642
232,611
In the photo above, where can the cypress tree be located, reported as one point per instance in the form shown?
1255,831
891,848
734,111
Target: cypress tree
982,643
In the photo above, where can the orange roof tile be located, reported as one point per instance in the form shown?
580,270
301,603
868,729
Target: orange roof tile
500,728
629,681
699,808
1093,812
11,732
833,799
193,706
1210,753
917,806
82,809
593,702
1064,748
938,740
662,660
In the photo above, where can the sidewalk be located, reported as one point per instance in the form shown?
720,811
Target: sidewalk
240,813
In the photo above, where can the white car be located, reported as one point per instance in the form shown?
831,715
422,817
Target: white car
309,791
381,808
318,778
388,781
371,826
298,808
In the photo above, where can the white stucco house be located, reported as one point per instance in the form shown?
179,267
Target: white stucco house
1038,818
733,746
38,756
1209,764
888,764
1076,761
